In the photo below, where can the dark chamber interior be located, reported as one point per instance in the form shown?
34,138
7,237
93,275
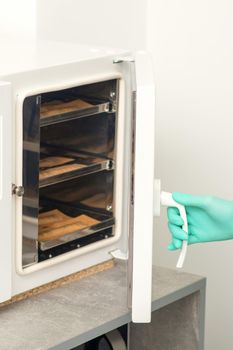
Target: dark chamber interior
68,168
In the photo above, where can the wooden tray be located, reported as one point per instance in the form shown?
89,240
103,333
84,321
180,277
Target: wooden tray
54,224
53,166
57,107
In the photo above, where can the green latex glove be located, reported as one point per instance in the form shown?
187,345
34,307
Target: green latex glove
209,219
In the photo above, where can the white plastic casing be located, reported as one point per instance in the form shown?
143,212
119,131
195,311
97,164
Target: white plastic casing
43,67
5,190
143,189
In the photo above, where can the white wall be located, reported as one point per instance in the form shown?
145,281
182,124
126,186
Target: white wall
118,23
17,19
192,47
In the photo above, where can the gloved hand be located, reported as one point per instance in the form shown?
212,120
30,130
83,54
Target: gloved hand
209,219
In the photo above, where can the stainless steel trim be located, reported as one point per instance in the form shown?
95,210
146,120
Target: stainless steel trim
45,245
80,113
131,213
93,168
131,204
31,158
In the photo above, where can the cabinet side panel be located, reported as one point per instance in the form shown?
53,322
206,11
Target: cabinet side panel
175,326
5,190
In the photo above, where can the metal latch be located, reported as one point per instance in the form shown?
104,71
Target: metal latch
118,254
18,190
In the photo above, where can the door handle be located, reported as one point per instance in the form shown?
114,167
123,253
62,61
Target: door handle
165,199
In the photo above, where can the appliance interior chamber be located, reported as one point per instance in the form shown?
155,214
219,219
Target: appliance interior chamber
69,153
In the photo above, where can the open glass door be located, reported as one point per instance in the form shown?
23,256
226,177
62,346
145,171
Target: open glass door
5,190
139,76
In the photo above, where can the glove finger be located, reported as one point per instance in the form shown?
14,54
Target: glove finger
171,246
190,200
172,211
177,232
174,217
194,235
177,243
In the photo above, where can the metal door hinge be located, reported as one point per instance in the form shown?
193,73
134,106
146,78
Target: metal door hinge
123,59
18,190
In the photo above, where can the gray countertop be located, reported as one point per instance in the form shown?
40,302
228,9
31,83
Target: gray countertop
77,312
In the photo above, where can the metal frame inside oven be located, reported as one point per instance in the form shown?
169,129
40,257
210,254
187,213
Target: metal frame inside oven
89,239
